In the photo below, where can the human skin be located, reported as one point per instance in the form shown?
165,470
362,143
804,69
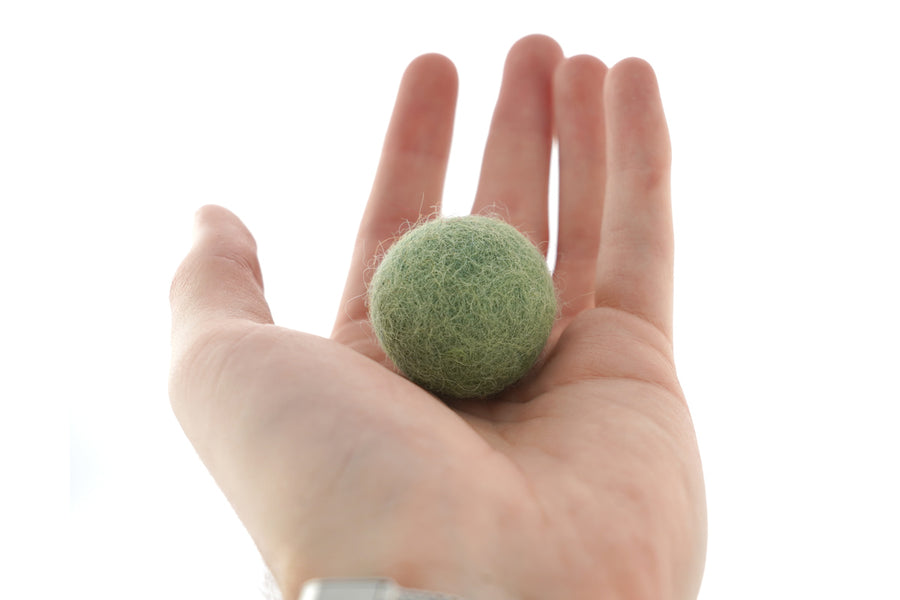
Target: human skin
583,481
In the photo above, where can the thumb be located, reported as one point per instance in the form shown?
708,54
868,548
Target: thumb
220,279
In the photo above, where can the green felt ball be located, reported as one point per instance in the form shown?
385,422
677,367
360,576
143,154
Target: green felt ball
463,306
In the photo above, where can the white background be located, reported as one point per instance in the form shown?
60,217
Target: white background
118,119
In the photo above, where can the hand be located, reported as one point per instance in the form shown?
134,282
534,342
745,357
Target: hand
583,481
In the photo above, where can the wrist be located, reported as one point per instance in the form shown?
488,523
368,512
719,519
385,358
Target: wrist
437,562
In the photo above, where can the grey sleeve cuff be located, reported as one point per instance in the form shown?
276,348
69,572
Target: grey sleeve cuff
365,589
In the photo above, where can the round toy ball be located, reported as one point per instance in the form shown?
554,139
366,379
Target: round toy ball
463,306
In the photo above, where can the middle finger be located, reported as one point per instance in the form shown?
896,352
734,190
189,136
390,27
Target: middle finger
515,172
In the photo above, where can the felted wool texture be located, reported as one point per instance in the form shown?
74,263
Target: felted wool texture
463,306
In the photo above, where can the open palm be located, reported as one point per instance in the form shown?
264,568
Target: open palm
582,481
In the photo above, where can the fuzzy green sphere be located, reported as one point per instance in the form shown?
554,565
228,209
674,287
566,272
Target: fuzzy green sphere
463,306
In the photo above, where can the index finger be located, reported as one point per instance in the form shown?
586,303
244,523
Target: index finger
410,177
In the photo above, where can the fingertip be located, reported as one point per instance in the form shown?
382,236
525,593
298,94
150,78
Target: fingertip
579,75
217,224
635,63
584,62
536,52
212,212
433,61
432,71
422,121
635,75
536,44
636,116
